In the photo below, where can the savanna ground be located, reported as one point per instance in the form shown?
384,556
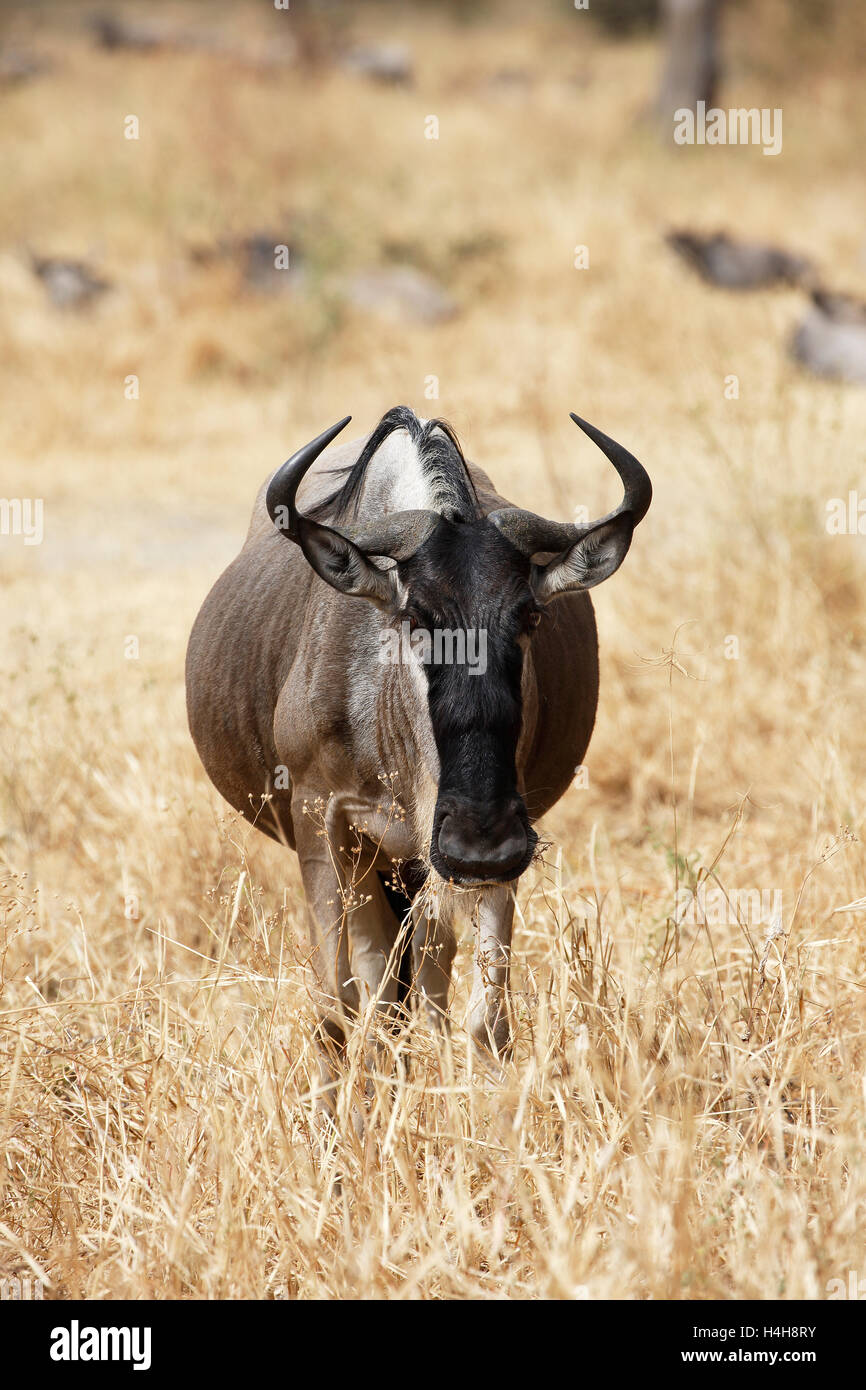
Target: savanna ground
685,1112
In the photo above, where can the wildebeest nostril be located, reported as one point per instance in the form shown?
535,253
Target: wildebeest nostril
451,842
510,849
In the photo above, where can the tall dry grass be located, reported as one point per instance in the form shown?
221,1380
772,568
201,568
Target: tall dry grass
684,1113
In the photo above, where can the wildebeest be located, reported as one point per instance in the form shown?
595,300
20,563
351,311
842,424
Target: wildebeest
831,339
68,284
327,710
739,265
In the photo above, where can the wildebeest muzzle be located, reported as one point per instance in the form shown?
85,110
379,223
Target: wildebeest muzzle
477,842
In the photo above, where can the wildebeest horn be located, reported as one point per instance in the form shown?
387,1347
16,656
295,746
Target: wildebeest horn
532,534
283,487
396,534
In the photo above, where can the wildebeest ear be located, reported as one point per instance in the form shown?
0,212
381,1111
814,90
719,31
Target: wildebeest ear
342,565
590,560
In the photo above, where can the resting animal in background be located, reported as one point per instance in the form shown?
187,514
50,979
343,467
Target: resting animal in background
68,284
831,340
321,670
738,265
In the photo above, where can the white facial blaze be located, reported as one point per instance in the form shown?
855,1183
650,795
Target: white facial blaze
395,480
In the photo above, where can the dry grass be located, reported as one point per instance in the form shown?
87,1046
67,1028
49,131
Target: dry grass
685,1113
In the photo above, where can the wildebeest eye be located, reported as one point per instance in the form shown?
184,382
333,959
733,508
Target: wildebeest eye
533,618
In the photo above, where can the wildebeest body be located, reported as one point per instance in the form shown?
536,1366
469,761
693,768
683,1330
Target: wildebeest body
434,773
270,626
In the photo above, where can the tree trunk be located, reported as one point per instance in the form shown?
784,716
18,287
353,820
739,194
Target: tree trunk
691,66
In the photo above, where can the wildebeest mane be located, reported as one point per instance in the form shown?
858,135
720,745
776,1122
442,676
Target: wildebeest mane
442,462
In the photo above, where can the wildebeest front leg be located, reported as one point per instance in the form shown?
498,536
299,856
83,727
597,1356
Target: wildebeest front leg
433,947
351,925
335,998
488,1017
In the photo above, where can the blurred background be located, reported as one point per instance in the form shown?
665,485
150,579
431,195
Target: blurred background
224,226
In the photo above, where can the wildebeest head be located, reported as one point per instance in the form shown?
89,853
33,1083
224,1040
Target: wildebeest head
462,598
